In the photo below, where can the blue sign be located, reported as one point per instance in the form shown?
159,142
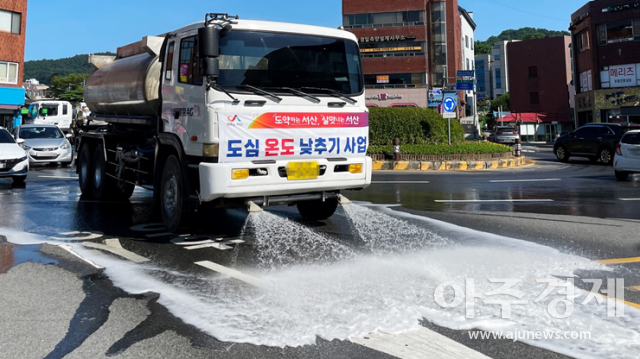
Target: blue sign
12,96
435,98
466,73
464,86
482,95
449,104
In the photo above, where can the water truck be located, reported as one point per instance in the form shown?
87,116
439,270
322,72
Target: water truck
228,113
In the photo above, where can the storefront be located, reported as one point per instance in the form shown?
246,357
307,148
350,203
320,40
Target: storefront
390,97
538,127
613,105
11,100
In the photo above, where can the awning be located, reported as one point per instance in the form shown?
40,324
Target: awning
536,118
9,107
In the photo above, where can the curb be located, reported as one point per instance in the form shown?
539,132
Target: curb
449,165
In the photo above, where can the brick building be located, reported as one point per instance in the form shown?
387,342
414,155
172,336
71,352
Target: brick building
408,47
13,24
606,38
540,86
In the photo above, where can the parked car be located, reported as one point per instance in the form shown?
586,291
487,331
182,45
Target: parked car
45,144
504,134
627,155
13,160
596,141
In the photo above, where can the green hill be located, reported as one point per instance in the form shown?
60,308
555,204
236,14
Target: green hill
525,33
43,70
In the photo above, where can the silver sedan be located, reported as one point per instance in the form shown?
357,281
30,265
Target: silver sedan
45,144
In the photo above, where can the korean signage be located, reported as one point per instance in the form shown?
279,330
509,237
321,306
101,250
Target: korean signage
586,82
435,98
292,136
388,49
629,6
622,75
382,79
386,38
383,97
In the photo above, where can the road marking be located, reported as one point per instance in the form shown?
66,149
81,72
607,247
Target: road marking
421,343
113,246
400,182
231,273
619,260
493,200
78,236
182,242
528,180
68,249
59,177
634,305
219,246
634,289
630,199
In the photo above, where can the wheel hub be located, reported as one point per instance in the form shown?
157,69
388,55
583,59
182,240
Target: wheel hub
605,156
171,196
98,174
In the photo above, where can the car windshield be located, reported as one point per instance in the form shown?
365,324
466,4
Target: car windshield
5,137
276,60
31,133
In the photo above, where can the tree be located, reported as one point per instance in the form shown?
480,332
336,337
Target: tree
503,101
69,88
525,33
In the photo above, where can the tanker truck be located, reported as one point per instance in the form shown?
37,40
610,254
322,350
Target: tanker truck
229,113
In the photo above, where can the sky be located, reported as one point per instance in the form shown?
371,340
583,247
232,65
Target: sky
65,28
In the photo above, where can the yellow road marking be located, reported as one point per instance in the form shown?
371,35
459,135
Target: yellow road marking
634,305
634,289
620,260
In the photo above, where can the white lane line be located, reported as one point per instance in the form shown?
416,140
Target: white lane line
493,200
59,177
400,182
182,242
528,180
418,344
219,246
78,236
113,246
68,249
231,273
630,199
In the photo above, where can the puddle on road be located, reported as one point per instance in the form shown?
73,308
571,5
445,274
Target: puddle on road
390,289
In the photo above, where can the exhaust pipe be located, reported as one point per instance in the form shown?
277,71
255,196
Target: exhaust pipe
343,200
253,208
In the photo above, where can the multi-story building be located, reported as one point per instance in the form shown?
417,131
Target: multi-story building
13,21
407,47
468,51
540,85
483,76
500,67
606,55
35,90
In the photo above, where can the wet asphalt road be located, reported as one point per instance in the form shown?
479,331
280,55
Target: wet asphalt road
55,305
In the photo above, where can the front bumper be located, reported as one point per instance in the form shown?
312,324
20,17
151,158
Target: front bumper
216,182
20,169
58,155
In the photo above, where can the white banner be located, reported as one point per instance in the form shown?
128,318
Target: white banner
622,75
292,136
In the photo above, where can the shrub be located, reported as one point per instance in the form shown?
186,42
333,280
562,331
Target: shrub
444,149
412,125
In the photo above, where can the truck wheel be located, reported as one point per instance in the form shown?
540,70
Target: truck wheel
125,191
103,185
85,171
318,210
171,194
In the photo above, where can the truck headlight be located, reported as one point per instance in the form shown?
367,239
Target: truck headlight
211,150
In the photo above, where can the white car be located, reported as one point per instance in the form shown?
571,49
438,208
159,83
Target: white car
45,144
13,160
627,159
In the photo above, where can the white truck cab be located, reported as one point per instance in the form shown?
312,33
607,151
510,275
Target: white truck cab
230,112
58,113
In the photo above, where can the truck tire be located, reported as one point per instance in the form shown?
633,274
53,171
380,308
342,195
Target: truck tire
85,171
102,185
172,193
318,210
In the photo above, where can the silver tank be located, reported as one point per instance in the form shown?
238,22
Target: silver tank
125,87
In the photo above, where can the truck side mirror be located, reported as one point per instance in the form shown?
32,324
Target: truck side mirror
208,42
210,66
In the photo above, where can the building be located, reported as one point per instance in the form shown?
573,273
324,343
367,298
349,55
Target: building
484,86
500,68
606,38
13,21
407,47
34,90
540,84
468,52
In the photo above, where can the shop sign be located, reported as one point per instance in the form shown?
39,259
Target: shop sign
383,97
633,5
620,98
584,101
386,38
387,49
622,75
382,79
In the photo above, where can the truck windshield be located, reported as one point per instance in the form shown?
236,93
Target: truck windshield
276,60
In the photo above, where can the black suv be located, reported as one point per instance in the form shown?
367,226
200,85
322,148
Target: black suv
596,141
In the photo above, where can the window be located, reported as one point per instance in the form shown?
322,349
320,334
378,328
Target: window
632,139
498,79
5,137
8,72
583,41
468,65
169,65
404,79
466,41
497,57
534,98
189,62
65,110
49,110
471,44
533,72
10,21
384,19
620,31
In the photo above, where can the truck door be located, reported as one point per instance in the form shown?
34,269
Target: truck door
168,87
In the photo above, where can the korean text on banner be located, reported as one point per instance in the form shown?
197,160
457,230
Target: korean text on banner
292,136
